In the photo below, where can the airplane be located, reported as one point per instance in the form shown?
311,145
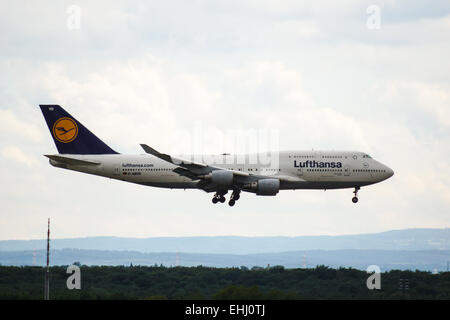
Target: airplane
80,150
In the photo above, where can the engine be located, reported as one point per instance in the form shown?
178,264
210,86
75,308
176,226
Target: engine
222,178
266,187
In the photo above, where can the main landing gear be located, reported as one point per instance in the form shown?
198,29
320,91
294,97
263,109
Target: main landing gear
234,197
355,198
219,197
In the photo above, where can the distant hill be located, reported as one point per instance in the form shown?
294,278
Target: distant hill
426,260
409,239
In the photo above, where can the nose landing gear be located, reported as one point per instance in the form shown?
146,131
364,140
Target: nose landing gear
355,198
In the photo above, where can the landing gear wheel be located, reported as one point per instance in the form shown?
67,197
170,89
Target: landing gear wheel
355,198
218,196
235,195
231,202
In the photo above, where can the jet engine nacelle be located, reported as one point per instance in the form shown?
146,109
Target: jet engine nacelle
222,178
266,187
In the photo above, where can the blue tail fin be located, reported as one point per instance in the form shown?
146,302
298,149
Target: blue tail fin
69,135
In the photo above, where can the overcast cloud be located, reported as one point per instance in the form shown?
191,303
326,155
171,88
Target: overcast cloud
139,72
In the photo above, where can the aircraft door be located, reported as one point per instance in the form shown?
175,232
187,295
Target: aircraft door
116,169
346,171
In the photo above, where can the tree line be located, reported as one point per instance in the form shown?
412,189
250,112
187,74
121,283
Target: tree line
159,282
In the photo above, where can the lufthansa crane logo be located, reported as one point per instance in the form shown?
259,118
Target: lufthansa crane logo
65,130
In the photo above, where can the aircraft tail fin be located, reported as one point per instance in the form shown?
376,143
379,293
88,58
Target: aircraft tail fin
69,135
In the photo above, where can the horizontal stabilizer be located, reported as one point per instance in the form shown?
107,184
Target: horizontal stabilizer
72,161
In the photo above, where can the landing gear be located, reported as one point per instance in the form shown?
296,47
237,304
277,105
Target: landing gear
355,198
219,196
234,197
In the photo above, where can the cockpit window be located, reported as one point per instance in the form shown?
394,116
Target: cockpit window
367,156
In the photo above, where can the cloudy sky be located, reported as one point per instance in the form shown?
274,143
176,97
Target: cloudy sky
363,75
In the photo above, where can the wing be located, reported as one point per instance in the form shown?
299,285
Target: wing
193,167
199,171
202,172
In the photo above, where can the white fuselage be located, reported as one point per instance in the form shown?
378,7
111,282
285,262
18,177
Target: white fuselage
296,169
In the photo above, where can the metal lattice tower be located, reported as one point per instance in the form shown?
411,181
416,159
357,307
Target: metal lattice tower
47,272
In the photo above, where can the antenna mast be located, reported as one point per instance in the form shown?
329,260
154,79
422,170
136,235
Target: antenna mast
47,272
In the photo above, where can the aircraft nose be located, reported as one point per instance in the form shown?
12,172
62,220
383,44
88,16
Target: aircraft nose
389,172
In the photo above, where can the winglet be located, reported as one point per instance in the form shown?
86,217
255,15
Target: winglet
149,150
176,161
155,153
